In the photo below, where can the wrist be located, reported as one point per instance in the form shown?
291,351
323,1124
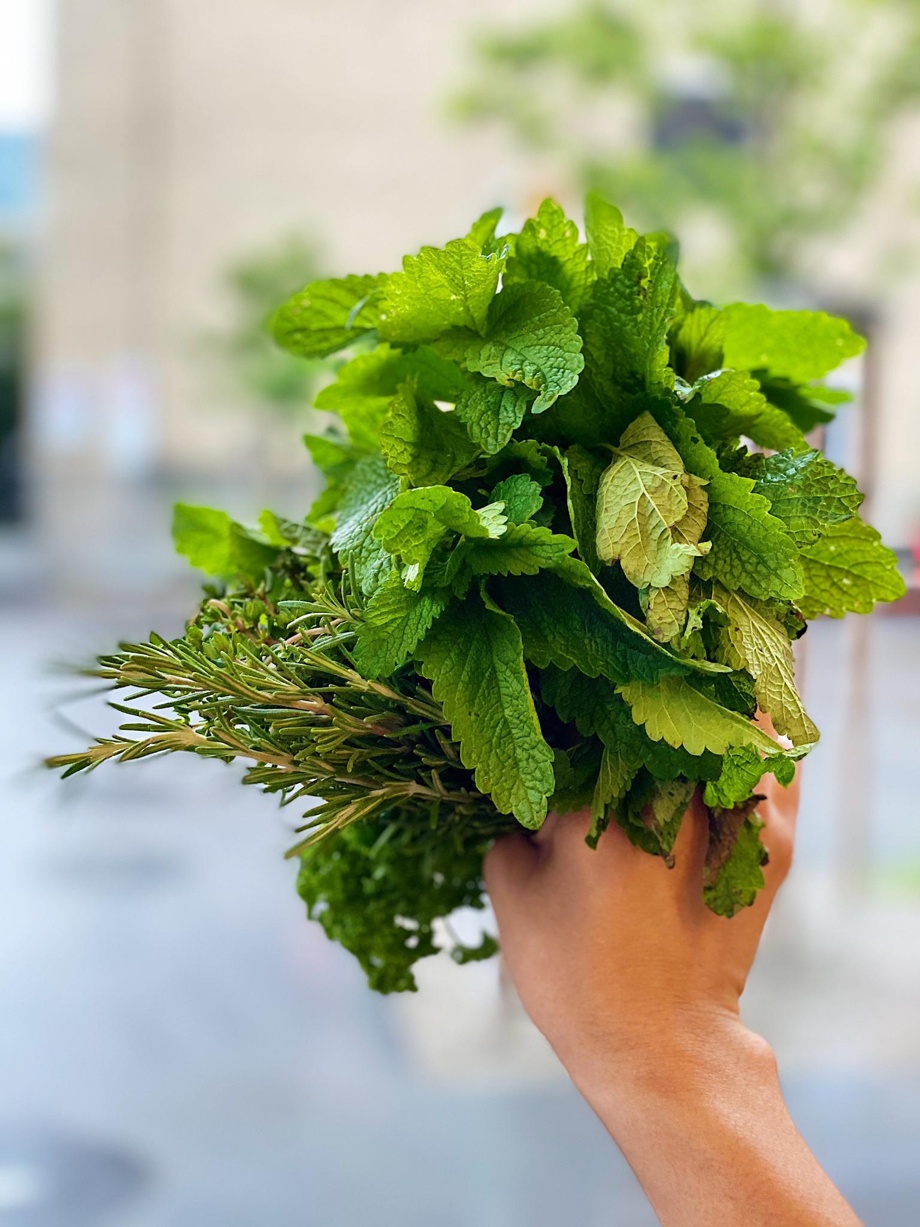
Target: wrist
689,1061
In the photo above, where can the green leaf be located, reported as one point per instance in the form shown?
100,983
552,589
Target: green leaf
733,873
369,490
482,231
521,495
473,658
395,622
641,497
807,405
491,412
625,327
762,647
665,608
595,707
209,539
365,386
848,570
743,767
416,521
751,549
531,338
674,712
548,249
326,316
796,345
696,342
608,238
805,491
730,403
582,470
580,626
422,442
439,289
524,549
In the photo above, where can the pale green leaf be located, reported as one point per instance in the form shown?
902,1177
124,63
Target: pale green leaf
419,520
761,646
673,711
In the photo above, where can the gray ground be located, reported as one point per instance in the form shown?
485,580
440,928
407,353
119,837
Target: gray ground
178,1048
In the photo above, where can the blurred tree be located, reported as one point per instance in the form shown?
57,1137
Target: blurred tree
762,125
265,375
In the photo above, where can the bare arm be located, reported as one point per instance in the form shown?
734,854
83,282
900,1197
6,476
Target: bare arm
636,985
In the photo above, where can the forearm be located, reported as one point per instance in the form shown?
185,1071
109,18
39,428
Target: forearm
707,1133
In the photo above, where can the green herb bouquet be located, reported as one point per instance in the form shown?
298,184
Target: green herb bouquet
570,528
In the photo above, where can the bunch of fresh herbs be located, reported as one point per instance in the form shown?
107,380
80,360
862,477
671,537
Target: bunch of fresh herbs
571,527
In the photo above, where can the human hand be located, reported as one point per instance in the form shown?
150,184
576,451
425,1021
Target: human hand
636,985
613,952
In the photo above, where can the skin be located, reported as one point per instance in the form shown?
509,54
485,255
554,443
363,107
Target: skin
636,985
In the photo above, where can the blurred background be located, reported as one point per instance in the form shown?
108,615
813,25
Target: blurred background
178,1046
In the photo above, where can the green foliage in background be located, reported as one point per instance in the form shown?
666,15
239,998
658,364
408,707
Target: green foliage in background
263,374
770,122
545,574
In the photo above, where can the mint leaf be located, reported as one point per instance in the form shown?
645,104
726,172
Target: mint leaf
439,289
577,626
531,338
521,495
743,768
548,249
609,239
805,490
416,521
365,386
473,658
848,570
673,711
422,442
582,470
594,705
731,403
491,412
733,873
796,345
761,646
696,342
524,549
395,622
326,316
369,489
211,540
751,549
641,497
625,327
